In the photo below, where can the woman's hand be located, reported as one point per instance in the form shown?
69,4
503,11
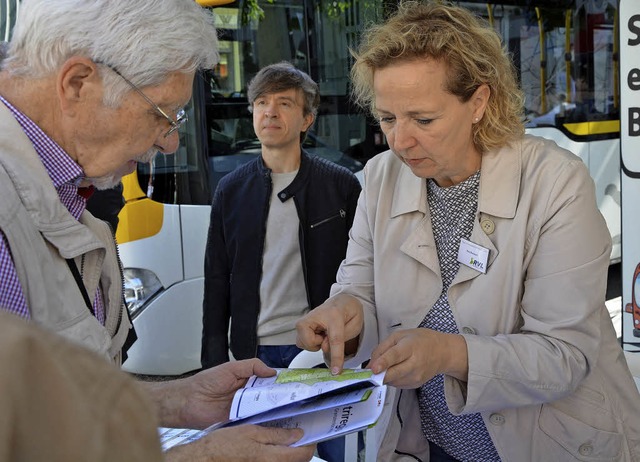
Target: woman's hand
413,356
330,327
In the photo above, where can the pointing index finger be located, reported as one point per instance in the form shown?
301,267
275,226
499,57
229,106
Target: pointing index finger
335,345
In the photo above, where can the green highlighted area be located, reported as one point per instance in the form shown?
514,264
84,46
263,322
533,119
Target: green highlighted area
311,376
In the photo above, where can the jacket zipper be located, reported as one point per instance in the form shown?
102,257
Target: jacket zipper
122,282
341,214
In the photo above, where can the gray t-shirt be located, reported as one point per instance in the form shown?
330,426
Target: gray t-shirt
283,298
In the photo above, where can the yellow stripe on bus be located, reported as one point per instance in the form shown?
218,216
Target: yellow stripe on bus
213,2
593,128
131,187
139,220
140,217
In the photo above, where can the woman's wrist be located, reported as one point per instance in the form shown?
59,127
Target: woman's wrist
457,357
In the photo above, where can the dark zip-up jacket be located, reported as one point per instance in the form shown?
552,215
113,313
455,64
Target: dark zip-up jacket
325,196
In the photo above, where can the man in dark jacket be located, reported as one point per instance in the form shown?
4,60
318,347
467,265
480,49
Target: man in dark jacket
278,232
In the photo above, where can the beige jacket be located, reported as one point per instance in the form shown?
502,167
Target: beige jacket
42,234
61,403
545,369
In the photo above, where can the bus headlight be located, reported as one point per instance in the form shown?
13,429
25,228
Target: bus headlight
140,285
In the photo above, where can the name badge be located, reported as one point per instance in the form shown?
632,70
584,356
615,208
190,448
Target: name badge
473,255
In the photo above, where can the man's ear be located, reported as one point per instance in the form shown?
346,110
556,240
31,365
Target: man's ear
309,119
77,81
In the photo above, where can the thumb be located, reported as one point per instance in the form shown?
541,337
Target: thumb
279,436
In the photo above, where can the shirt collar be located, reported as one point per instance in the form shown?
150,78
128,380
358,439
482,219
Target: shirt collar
62,169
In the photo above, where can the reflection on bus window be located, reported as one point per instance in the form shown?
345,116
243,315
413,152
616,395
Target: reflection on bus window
564,53
313,36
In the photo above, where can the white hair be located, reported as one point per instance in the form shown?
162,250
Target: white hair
146,40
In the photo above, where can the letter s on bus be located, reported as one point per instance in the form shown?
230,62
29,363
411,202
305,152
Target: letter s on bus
634,28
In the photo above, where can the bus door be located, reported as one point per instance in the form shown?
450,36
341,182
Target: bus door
565,56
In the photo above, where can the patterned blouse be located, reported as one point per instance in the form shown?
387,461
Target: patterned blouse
464,437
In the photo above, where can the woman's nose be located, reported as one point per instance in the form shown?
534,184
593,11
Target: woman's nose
402,137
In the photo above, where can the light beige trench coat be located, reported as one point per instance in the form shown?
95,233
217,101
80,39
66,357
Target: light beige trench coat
545,369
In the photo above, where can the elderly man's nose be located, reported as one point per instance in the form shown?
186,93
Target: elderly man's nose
168,144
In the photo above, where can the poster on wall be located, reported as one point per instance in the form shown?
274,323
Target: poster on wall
629,27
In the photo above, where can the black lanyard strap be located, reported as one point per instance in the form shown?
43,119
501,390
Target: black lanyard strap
83,290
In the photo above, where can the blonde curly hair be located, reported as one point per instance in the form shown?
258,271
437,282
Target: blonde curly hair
470,48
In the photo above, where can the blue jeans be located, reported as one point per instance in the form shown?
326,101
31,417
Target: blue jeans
277,355
281,356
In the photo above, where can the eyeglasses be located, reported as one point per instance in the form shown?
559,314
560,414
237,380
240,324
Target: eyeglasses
181,115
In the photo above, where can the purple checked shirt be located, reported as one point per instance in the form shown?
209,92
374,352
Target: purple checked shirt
65,175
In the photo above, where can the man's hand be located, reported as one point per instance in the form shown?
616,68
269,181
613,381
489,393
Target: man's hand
329,327
205,398
413,356
248,443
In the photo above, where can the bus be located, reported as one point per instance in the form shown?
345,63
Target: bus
566,54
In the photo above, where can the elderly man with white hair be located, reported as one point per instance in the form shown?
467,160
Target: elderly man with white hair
89,88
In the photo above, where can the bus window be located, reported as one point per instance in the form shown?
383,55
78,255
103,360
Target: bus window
291,31
179,178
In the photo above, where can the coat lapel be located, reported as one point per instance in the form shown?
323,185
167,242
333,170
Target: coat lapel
410,196
497,198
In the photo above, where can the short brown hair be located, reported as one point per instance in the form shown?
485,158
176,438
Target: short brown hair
284,76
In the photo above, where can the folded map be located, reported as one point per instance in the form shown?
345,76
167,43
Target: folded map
324,406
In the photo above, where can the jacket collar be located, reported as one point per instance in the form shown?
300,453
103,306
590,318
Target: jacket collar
500,177
499,185
410,194
298,182
37,193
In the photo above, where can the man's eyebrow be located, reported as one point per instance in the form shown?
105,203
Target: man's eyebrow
287,98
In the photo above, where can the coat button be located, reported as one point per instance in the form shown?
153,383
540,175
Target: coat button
283,195
585,449
496,419
468,330
487,226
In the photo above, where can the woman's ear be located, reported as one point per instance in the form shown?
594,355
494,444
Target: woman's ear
480,99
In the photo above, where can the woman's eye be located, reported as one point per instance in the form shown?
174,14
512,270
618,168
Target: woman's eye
386,120
424,121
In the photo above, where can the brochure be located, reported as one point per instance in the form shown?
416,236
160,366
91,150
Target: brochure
323,405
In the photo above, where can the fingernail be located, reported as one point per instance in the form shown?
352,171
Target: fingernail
335,371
